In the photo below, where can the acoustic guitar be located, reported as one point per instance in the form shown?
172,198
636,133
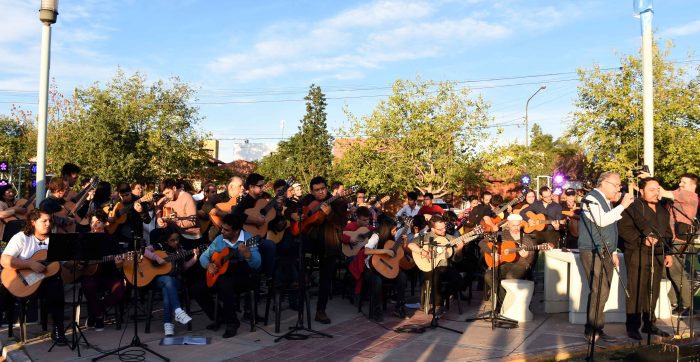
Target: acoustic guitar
267,209
508,251
443,251
222,259
312,214
120,211
389,266
27,204
70,208
25,282
539,222
89,267
358,240
500,210
149,269
224,207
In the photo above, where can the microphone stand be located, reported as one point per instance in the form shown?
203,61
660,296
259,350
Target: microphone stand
434,322
136,341
293,333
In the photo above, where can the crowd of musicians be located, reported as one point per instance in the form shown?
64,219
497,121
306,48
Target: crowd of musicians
248,234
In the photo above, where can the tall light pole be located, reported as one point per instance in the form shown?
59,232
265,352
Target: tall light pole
48,13
643,9
527,129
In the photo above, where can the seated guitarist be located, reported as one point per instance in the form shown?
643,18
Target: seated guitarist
105,288
170,284
362,219
515,270
136,217
239,276
374,280
234,189
183,206
8,209
53,203
22,247
445,272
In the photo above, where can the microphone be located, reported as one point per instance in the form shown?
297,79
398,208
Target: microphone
588,202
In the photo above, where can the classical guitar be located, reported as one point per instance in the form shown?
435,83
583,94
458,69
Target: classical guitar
443,251
120,211
70,208
89,267
312,214
224,207
266,209
25,282
221,259
149,269
538,222
499,211
27,204
389,266
358,240
508,251
407,262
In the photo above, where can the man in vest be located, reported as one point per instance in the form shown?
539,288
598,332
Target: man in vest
597,230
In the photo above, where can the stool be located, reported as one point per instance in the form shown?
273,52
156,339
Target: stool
663,305
253,307
516,304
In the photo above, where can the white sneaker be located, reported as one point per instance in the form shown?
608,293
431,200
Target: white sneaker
169,329
181,316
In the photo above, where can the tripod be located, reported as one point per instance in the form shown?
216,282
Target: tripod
77,333
303,298
497,320
135,342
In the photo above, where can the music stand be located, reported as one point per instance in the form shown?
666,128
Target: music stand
78,247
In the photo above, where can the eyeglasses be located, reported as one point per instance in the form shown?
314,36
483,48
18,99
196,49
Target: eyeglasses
616,185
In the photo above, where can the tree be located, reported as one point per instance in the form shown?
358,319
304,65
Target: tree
17,140
308,153
544,156
424,136
125,131
608,120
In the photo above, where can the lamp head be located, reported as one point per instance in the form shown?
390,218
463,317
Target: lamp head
48,11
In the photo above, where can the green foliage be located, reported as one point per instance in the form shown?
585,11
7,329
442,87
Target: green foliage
423,136
544,156
125,131
608,121
17,140
309,152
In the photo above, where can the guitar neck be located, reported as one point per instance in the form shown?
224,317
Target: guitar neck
528,248
181,254
30,200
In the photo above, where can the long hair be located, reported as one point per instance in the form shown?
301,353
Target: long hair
384,230
33,215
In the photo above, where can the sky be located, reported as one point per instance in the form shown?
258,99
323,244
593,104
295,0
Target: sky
252,62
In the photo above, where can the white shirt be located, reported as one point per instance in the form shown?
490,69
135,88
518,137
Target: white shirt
23,246
371,244
406,210
595,212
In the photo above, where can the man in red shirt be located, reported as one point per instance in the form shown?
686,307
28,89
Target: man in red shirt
428,207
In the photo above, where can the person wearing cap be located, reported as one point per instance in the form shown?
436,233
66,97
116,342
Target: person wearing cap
515,270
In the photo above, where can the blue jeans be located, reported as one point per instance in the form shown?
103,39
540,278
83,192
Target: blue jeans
169,286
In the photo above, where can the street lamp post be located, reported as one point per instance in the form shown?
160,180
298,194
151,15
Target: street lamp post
48,12
644,9
527,130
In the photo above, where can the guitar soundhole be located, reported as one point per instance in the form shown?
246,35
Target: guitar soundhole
439,249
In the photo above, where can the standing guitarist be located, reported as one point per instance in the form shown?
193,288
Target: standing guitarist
69,174
23,246
515,270
184,209
551,210
54,203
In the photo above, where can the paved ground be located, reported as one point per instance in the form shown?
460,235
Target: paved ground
548,336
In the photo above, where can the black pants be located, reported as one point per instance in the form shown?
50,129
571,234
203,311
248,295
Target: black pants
51,290
599,273
639,278
326,272
373,281
447,282
238,278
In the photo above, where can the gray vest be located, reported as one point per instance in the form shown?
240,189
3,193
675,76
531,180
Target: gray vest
591,237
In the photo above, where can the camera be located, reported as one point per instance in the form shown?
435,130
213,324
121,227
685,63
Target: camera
637,170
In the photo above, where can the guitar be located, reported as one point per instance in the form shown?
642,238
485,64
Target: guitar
508,252
441,252
69,208
120,212
539,222
224,207
312,215
221,259
389,266
497,219
27,204
89,267
25,282
358,240
149,269
407,262
266,209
